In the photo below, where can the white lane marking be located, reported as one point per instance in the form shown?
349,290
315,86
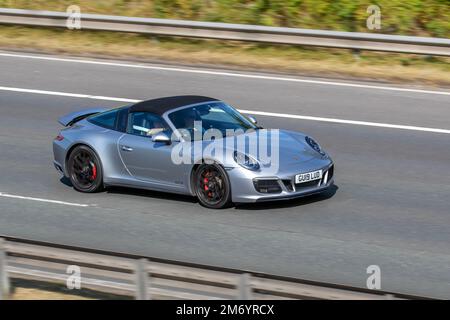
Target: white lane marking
6,195
354,122
227,74
262,113
66,94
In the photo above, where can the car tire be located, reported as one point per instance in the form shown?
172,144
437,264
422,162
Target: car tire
212,186
85,170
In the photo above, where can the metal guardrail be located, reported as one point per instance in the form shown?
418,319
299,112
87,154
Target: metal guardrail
240,32
152,278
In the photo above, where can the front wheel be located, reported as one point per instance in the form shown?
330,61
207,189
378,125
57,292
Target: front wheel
85,170
212,186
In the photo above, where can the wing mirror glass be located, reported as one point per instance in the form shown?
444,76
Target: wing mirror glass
161,138
252,119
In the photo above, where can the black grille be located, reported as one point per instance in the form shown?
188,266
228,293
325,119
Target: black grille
288,184
305,185
267,186
329,177
330,172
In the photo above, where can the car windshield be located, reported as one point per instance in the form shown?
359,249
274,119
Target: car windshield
215,115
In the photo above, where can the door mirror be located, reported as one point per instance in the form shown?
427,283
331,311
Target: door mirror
252,119
161,138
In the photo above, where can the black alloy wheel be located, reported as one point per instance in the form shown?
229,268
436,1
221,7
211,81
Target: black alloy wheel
212,186
85,170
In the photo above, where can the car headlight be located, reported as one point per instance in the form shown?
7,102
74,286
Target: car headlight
313,144
245,161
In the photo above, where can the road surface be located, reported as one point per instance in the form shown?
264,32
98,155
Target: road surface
390,207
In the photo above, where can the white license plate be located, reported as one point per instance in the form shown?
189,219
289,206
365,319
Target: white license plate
309,176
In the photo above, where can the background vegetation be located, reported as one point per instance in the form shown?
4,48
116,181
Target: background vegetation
408,17
411,17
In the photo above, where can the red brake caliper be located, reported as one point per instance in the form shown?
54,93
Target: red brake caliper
205,186
94,171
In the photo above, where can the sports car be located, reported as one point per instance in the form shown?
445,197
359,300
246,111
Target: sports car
190,145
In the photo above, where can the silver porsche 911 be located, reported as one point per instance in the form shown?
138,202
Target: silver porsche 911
189,145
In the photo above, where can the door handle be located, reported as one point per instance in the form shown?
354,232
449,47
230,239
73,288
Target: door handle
126,148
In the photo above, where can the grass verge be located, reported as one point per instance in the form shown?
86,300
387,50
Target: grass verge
335,63
37,290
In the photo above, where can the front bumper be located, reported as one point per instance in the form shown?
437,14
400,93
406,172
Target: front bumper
244,191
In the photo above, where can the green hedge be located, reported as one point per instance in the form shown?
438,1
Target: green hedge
410,17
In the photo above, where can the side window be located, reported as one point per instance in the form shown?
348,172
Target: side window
145,124
105,119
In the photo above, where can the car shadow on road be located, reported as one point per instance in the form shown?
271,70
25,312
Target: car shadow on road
329,193
242,206
140,192
66,181
151,194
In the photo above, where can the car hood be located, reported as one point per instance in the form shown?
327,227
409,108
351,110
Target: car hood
291,147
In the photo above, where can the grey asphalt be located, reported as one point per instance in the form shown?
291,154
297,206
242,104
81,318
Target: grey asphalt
391,206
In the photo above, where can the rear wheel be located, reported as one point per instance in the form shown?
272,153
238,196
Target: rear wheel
85,170
212,186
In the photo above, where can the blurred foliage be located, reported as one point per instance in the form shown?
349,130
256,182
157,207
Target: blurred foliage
409,17
322,62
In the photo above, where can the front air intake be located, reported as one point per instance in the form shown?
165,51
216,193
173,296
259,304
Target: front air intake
267,186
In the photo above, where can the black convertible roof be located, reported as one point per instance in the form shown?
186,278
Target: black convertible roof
161,105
